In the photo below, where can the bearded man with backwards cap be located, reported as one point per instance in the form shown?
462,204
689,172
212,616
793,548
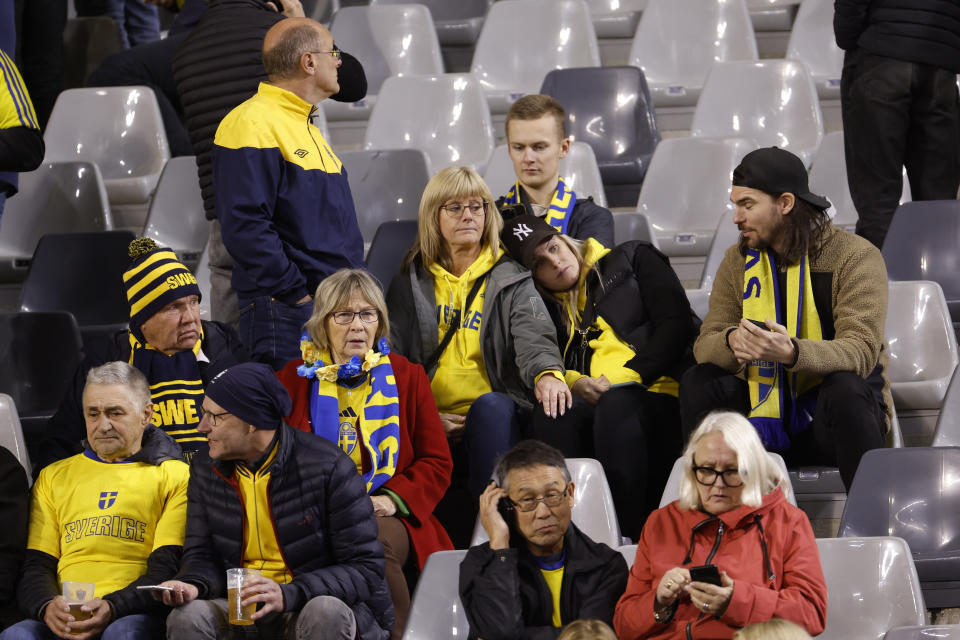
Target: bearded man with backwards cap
794,335
167,341
267,496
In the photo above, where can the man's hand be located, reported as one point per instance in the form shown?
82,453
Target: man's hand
182,593
92,628
453,426
493,523
57,616
383,506
709,597
590,389
554,394
289,8
265,590
749,342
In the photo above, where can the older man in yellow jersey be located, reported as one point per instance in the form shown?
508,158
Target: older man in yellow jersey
113,516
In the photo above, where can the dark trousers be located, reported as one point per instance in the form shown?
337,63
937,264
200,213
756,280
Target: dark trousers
848,422
151,65
271,329
634,434
137,20
897,114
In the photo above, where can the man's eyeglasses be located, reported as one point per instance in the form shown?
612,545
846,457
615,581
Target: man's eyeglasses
333,52
707,476
456,209
552,499
213,417
367,316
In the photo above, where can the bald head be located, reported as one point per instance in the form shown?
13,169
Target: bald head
287,41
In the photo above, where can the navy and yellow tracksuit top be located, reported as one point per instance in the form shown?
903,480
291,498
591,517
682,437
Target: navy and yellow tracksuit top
283,201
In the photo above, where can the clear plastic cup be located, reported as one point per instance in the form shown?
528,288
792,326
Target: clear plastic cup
77,594
237,580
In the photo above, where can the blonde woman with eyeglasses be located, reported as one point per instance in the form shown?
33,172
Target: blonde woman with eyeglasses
729,553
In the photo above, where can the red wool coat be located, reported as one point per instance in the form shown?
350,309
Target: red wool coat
424,464
797,591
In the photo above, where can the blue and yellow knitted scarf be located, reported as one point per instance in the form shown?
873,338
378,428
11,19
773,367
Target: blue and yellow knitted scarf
561,206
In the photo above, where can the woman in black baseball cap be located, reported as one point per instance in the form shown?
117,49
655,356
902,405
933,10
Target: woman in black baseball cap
626,331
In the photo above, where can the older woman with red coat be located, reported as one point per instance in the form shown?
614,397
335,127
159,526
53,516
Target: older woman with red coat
730,552
377,406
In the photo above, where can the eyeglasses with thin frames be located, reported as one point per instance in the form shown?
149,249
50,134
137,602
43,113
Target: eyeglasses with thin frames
367,316
553,499
707,476
456,209
213,417
335,52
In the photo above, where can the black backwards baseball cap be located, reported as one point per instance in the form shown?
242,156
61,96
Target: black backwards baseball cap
774,170
522,234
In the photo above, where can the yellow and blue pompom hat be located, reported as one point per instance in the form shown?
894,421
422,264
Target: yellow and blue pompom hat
153,280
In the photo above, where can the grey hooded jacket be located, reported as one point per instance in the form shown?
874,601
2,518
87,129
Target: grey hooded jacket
517,336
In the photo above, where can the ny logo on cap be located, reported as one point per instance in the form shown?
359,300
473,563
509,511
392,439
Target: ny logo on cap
522,231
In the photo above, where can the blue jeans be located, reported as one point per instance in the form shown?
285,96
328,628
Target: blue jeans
138,22
271,329
494,424
139,626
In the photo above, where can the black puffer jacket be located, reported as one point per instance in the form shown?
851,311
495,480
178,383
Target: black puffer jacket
922,31
506,598
637,292
218,66
324,522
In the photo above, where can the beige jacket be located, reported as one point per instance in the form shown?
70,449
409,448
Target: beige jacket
859,307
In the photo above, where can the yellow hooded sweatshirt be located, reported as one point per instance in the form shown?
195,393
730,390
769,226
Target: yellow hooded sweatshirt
461,375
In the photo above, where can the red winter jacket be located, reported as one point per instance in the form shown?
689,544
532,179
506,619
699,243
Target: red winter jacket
423,464
734,541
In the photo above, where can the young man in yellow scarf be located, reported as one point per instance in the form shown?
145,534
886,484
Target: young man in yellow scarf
794,335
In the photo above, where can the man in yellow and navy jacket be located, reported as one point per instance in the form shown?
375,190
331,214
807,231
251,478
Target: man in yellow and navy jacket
282,196
21,143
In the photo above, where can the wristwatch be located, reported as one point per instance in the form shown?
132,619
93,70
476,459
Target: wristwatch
663,615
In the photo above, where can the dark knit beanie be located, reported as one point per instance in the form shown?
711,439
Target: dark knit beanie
251,392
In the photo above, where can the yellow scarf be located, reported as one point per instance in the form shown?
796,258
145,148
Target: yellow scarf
769,381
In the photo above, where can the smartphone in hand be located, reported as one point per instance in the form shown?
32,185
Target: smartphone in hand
706,573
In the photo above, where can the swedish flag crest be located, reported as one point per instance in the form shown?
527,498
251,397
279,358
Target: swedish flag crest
107,498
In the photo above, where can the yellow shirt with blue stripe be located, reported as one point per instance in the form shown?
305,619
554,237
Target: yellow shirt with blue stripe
551,568
610,353
261,550
102,520
16,109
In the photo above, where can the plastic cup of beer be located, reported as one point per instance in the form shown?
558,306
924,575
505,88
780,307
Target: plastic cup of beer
76,595
236,581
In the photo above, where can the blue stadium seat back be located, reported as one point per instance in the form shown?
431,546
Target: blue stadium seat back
176,217
923,243
610,109
386,185
872,587
390,244
81,273
436,610
57,197
912,493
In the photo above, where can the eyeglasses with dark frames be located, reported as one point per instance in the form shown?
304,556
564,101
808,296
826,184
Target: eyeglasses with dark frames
456,209
367,316
213,417
707,476
552,499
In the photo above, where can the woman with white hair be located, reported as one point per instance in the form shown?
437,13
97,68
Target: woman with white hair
730,552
